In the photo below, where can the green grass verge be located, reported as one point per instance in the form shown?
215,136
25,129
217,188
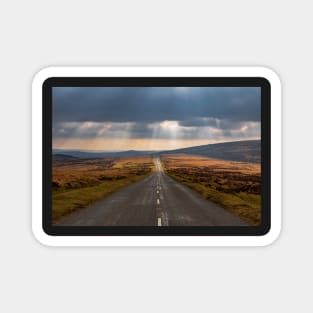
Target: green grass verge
65,201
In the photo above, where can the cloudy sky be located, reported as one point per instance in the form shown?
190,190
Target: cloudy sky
153,118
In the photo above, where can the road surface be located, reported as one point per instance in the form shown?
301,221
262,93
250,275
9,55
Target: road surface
156,200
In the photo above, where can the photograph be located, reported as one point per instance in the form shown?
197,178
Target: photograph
156,156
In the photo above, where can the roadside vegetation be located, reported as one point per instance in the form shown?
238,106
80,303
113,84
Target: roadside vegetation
236,186
77,182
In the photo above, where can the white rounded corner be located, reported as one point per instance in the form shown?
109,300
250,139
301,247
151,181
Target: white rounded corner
39,235
271,76
272,236
43,74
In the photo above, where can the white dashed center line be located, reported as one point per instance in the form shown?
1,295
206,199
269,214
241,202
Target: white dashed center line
158,191
158,201
159,221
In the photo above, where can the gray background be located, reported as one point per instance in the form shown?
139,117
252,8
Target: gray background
36,34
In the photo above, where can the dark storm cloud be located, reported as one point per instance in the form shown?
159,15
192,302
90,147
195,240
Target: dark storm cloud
153,104
156,112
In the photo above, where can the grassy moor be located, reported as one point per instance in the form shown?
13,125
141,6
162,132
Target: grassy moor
77,182
236,186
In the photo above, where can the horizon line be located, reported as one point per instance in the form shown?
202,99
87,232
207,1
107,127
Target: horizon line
115,151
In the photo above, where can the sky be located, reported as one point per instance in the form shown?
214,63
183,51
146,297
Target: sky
153,118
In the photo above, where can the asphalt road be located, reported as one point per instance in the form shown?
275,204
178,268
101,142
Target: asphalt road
157,200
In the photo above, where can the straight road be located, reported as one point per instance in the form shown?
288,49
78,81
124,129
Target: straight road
157,200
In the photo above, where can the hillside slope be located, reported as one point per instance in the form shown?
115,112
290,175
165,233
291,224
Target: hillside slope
242,151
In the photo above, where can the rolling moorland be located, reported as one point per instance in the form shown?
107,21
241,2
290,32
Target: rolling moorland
236,186
78,182
241,151
228,174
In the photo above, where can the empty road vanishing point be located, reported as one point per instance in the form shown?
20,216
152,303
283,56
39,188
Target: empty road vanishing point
157,200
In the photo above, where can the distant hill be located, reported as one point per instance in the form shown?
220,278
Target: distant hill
242,151
91,154
61,157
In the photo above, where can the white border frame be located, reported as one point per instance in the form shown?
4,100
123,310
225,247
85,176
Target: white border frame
276,140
